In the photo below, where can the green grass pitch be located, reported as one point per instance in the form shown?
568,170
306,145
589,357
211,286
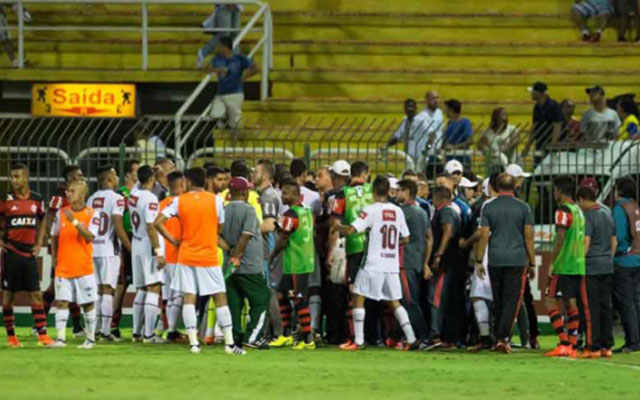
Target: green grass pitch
137,371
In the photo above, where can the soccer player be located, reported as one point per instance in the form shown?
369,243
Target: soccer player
379,279
126,274
76,225
198,271
506,226
147,258
417,253
70,173
109,207
177,186
23,215
298,263
568,272
242,237
601,243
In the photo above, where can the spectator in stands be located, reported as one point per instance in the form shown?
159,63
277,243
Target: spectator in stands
232,70
547,119
433,122
583,10
627,12
459,131
499,141
600,123
4,33
570,125
225,16
628,113
411,132
150,145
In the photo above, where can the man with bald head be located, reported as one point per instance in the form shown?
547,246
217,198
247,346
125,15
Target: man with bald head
506,224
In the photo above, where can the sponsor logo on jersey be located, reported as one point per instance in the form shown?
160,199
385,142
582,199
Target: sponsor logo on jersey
120,203
133,201
23,221
388,215
153,206
98,202
14,208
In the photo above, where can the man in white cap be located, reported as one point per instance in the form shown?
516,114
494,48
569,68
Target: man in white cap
519,175
468,190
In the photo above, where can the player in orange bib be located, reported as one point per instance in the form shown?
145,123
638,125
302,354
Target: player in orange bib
76,226
198,272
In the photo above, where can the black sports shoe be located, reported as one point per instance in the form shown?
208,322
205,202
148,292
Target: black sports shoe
262,344
116,333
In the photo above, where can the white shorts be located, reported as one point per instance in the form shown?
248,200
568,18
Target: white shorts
169,271
203,281
378,286
107,270
145,270
481,288
82,290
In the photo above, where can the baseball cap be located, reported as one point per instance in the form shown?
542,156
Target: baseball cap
540,87
485,187
466,183
595,89
453,166
590,183
341,167
239,183
516,171
393,183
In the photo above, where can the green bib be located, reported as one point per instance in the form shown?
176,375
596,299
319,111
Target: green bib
299,256
357,198
571,259
126,217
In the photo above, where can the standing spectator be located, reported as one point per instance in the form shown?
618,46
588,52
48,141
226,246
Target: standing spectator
433,122
627,12
601,242
600,123
4,33
412,133
626,280
570,125
547,119
226,16
232,70
583,10
459,131
628,113
499,141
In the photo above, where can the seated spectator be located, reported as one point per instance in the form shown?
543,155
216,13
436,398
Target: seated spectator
570,124
628,113
627,13
600,123
459,131
582,11
499,141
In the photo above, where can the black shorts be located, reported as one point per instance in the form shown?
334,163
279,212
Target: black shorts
354,263
19,273
566,286
295,286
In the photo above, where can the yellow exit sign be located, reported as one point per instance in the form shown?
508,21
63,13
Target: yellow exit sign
83,100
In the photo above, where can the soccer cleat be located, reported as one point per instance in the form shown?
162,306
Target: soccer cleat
390,343
13,342
58,344
400,345
80,334
261,344
304,346
110,338
560,351
282,341
154,340
136,338
87,345
116,333
606,353
44,340
177,337
435,344
233,349
195,349
411,346
352,346
588,354
503,347
209,341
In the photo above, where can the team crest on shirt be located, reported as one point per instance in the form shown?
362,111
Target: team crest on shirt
153,206
34,209
388,215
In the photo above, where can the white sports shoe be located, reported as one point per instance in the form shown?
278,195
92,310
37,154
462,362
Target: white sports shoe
154,340
234,350
136,339
110,338
195,349
58,344
80,335
87,345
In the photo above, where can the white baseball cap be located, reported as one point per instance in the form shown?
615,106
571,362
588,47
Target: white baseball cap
341,167
516,171
453,166
393,183
466,183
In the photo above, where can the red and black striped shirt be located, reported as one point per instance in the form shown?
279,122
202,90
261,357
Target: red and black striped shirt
21,217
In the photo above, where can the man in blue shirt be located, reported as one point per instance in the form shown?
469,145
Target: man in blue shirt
459,132
626,284
232,70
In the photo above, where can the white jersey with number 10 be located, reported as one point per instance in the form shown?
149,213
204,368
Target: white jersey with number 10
386,225
107,203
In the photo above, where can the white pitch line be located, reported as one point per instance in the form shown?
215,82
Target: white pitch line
634,367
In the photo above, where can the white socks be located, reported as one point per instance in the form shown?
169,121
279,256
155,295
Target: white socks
482,316
174,309
138,311
190,323
62,316
358,325
90,322
403,319
106,313
224,320
150,313
98,307
315,308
